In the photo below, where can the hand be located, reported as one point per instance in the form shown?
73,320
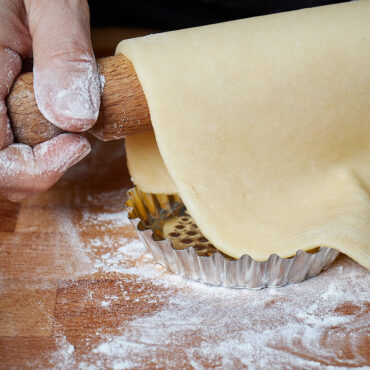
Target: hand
66,85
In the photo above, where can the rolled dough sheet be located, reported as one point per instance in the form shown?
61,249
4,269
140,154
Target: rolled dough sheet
263,125
146,165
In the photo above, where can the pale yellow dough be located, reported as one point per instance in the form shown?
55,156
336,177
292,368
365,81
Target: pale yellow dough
146,165
264,128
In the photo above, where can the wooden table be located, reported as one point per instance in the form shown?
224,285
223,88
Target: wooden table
77,290
71,297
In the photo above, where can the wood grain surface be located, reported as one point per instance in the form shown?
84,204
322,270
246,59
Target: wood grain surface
123,109
53,302
77,291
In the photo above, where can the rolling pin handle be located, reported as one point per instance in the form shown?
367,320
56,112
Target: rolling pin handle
122,86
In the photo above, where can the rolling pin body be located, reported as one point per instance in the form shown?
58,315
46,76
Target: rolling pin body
123,109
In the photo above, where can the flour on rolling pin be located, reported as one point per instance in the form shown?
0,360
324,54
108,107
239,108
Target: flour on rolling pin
123,108
63,97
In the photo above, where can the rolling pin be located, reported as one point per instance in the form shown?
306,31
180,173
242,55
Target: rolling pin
123,110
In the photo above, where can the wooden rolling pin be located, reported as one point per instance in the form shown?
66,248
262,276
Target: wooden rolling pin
123,109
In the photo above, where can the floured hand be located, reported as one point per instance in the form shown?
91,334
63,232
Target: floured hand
66,84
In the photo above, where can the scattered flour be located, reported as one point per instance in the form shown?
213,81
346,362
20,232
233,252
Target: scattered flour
63,359
315,324
106,219
294,326
105,303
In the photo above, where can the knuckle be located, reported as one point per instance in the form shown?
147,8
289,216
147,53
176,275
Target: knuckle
64,51
71,51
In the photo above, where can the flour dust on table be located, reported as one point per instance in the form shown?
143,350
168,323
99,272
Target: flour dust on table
191,325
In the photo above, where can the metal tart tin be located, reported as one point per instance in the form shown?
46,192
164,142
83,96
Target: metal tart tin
174,240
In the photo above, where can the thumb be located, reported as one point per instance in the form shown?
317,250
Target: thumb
66,80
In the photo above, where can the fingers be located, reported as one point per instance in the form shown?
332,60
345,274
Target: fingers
24,171
66,81
11,65
14,34
15,40
6,134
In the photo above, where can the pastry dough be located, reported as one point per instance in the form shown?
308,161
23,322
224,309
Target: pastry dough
264,128
146,165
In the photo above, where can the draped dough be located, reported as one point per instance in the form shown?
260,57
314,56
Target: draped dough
263,125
